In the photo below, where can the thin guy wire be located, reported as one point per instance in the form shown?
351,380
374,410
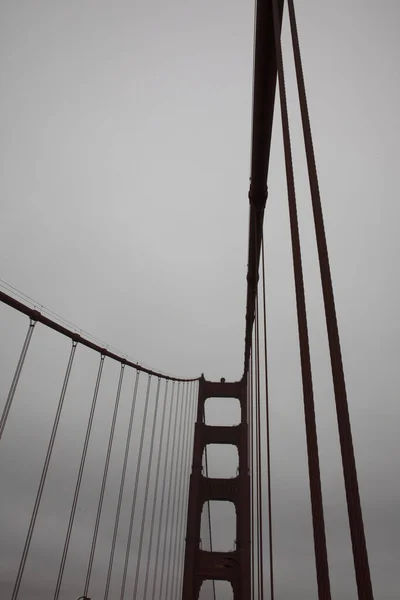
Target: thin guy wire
78,481
16,377
320,550
121,487
348,459
44,474
146,492
268,437
248,396
253,531
258,437
163,492
103,483
169,494
153,512
187,483
180,512
256,463
174,496
133,509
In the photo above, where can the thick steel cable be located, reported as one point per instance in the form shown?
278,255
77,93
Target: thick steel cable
121,487
163,493
104,481
17,375
169,497
134,499
51,324
321,555
79,480
155,496
44,473
267,424
146,491
359,545
258,444
173,526
180,511
187,484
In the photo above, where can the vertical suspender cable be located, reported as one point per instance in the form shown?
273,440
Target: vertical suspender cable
359,545
16,377
174,503
321,556
104,481
187,481
146,491
121,487
163,498
78,481
169,500
133,509
253,531
44,473
181,495
153,512
258,442
268,440
179,511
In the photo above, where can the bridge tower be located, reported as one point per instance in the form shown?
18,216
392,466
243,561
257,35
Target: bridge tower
201,565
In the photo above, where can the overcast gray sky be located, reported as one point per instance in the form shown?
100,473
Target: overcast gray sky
125,155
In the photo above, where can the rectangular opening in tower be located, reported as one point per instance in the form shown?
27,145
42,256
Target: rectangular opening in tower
223,590
220,518
222,412
222,461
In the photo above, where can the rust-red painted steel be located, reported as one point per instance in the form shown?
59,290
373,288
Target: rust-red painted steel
264,87
35,315
359,545
231,566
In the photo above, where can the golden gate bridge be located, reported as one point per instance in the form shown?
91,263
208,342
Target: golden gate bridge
163,471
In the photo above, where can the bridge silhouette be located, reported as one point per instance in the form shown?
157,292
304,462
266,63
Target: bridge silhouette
163,480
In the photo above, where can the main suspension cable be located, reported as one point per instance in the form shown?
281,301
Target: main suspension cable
79,480
133,509
359,545
104,481
17,375
321,557
121,487
146,491
44,473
